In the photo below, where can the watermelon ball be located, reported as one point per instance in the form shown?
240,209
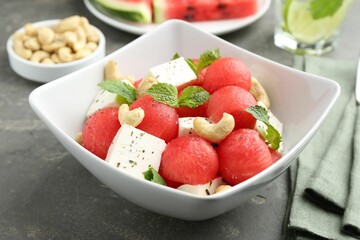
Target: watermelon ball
99,130
232,100
227,71
199,111
189,160
171,184
160,120
242,155
275,156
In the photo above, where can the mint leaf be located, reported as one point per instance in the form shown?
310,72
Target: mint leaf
121,88
206,59
176,56
153,176
164,93
324,8
189,61
193,96
191,64
271,136
259,112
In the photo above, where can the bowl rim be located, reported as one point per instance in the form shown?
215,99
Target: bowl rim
51,22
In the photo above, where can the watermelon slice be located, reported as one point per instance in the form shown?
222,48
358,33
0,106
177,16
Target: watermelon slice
132,10
202,10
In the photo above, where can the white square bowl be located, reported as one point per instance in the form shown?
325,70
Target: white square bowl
300,100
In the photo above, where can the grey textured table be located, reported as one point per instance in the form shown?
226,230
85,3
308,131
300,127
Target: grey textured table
46,194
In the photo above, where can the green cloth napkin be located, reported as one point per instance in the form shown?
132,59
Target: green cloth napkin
351,220
325,180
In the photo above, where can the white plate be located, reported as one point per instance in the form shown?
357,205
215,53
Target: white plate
215,27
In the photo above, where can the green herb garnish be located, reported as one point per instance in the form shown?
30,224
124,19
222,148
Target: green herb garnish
164,93
192,65
206,58
176,56
121,88
324,8
271,135
153,176
191,96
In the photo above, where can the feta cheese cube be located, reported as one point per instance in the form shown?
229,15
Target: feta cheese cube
202,189
134,151
104,99
175,72
186,126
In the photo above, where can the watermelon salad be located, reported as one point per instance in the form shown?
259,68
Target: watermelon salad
199,125
157,11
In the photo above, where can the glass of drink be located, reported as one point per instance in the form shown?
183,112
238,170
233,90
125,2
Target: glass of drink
309,26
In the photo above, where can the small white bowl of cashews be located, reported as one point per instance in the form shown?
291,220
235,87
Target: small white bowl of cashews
47,50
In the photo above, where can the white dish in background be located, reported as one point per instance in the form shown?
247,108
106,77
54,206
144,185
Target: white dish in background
300,100
215,27
47,72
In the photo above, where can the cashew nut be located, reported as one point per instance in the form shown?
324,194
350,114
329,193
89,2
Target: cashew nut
214,132
45,35
25,37
144,85
68,24
81,39
55,58
32,43
69,38
47,61
38,56
82,53
54,46
19,47
58,37
91,46
133,117
91,33
30,30
79,138
65,54
222,188
112,71
259,92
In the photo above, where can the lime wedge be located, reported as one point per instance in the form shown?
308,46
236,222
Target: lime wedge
304,28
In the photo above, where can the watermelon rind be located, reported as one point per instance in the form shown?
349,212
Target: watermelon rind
159,13
137,12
